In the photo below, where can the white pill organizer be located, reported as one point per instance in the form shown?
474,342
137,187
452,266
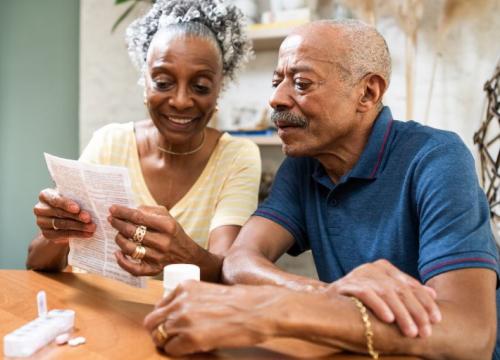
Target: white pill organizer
29,338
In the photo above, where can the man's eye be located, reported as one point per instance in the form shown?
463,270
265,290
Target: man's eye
302,85
275,83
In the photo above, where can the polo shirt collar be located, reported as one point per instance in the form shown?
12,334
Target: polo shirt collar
371,158
369,162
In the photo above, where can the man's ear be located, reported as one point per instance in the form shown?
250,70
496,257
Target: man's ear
374,87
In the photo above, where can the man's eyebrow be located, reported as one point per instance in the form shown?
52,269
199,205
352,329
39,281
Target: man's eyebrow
301,68
296,69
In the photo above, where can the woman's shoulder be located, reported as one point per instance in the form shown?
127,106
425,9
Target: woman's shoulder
115,131
108,142
237,146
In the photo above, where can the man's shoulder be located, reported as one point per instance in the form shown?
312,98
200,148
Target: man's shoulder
411,135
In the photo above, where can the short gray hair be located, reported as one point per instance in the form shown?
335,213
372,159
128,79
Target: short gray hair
367,50
209,19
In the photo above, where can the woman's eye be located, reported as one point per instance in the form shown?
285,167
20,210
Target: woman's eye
162,84
201,89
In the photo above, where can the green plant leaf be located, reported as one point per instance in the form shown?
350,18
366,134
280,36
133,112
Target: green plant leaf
124,15
117,2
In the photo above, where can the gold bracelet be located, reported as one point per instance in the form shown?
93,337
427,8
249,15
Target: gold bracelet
368,327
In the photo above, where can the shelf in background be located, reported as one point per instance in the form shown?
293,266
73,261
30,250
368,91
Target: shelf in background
270,36
260,137
264,140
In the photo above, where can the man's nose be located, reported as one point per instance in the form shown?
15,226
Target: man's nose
281,98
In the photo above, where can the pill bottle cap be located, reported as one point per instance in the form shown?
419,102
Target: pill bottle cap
174,274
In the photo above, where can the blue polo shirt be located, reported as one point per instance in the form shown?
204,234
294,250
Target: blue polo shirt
412,198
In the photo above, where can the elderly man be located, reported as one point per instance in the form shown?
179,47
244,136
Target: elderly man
391,210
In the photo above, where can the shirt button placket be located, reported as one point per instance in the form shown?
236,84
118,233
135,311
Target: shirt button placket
331,199
332,218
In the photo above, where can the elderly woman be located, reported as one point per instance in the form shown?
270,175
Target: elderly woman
197,185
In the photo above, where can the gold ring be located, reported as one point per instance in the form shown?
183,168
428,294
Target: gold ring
139,252
139,234
54,224
161,334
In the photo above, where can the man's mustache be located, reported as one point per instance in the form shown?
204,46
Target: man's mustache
289,118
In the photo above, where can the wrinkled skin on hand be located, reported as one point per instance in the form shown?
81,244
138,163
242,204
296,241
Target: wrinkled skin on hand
200,317
69,219
392,296
165,240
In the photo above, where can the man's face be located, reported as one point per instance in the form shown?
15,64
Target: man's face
314,108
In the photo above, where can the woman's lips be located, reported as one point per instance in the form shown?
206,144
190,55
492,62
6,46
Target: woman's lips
180,123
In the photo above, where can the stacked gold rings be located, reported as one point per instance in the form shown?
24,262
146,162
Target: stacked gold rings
161,334
138,237
139,252
139,234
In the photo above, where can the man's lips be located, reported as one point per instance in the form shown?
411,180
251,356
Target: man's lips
280,124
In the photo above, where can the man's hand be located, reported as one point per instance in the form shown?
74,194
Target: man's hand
392,296
200,317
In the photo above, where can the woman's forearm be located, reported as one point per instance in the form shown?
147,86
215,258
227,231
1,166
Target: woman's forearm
46,255
210,266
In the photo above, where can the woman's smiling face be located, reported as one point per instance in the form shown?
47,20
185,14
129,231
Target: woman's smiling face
183,81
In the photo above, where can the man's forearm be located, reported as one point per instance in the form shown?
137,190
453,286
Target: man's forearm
45,255
246,267
337,322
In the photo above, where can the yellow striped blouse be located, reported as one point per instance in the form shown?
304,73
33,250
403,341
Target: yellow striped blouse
225,193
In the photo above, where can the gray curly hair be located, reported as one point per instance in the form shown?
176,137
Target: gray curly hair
212,19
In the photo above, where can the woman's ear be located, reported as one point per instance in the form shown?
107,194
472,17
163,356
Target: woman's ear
374,87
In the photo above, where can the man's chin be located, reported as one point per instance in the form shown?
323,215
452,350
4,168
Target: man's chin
293,150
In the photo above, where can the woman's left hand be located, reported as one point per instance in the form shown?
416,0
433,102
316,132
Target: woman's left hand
164,242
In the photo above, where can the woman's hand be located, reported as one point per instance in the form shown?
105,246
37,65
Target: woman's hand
60,218
392,296
165,241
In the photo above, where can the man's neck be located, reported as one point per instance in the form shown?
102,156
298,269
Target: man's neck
343,156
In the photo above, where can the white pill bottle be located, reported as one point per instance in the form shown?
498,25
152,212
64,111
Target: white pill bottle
174,274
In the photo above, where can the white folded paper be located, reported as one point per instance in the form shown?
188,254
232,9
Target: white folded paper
95,188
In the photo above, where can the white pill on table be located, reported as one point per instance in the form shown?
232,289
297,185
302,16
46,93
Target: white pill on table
62,339
77,341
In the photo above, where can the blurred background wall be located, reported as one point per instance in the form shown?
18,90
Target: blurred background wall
39,50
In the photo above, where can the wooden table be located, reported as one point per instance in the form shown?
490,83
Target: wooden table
110,314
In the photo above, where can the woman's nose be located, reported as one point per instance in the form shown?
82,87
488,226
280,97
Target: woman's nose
181,99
